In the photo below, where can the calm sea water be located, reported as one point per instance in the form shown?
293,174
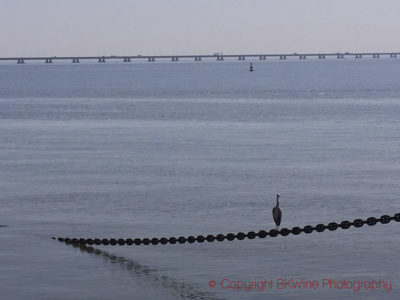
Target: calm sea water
171,149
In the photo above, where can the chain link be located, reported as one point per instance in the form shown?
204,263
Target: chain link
357,223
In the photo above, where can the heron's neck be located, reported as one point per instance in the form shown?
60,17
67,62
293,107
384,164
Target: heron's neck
277,202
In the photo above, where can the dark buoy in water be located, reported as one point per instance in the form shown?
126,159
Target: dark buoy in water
251,67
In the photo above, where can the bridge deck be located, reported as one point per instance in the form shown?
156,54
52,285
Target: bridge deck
127,58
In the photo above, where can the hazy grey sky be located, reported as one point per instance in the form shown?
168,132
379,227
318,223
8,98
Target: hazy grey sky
105,27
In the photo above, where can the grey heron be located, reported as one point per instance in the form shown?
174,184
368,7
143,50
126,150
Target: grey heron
276,213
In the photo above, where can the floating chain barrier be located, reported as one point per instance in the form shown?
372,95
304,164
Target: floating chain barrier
385,219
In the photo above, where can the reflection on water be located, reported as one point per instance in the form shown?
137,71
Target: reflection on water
139,271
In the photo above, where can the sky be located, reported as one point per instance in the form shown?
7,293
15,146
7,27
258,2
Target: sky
157,27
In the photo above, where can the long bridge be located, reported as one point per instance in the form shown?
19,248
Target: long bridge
200,57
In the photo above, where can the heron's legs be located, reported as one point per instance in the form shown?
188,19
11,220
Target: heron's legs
283,246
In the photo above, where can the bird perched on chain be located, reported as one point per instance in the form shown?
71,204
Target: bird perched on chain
277,213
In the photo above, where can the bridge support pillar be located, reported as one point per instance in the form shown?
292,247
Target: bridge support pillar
375,55
220,57
102,60
197,58
20,61
175,58
241,57
151,59
340,56
262,57
358,56
393,55
282,57
127,59
321,56
75,60
49,61
302,57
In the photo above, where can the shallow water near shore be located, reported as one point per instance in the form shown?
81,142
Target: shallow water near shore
179,149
